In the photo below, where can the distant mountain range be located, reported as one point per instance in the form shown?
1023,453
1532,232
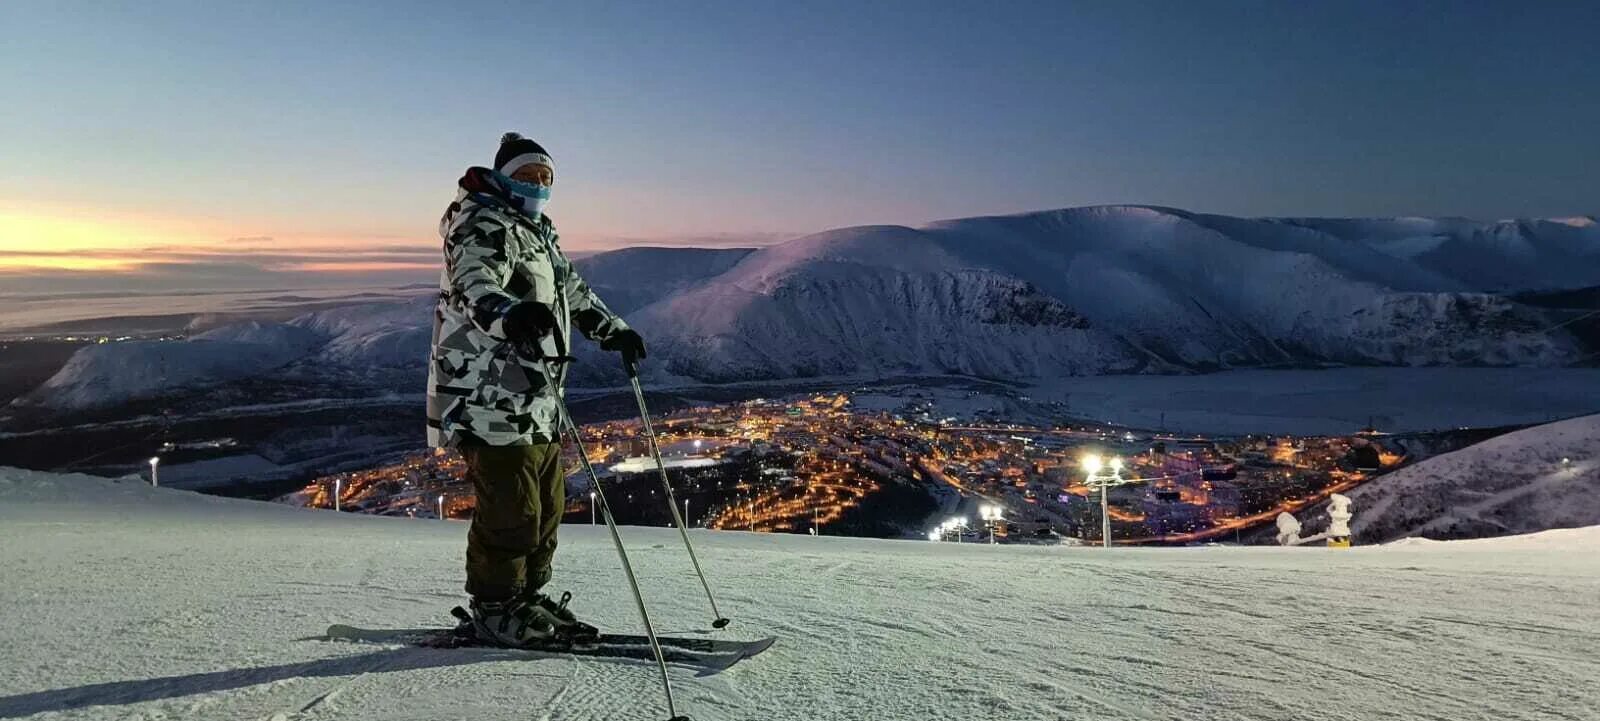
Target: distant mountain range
1097,290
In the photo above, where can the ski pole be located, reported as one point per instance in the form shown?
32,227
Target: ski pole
616,538
719,621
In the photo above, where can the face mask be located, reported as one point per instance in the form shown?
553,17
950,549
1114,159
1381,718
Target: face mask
531,197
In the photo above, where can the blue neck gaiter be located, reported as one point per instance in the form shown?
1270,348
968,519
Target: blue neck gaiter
530,197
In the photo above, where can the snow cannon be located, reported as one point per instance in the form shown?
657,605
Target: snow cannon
1339,521
1288,529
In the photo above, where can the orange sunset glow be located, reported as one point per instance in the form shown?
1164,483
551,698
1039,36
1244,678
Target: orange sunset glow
99,243
60,241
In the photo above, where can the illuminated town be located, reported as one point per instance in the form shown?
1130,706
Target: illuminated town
821,464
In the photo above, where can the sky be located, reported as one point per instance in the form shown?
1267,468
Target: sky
300,144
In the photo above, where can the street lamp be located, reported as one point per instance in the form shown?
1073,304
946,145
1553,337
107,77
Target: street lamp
991,518
154,462
441,506
1104,481
591,508
337,487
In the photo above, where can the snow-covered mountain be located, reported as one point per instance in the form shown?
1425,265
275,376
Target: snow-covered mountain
163,604
111,372
373,335
363,338
1538,478
1118,289
1080,291
632,278
1503,256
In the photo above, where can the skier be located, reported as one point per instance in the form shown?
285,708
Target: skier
508,298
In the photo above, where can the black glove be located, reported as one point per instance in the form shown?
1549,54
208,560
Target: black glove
627,342
528,321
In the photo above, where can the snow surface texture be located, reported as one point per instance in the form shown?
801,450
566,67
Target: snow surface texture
1081,291
162,604
1533,479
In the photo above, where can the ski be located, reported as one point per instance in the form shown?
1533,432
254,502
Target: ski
703,654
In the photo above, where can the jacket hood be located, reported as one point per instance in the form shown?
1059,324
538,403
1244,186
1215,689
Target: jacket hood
477,187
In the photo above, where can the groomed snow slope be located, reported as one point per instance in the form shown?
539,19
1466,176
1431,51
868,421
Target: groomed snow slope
158,604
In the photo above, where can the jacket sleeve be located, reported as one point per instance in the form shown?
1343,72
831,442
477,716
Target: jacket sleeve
476,263
591,316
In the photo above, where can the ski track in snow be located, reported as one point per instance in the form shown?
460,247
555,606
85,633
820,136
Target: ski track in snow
161,604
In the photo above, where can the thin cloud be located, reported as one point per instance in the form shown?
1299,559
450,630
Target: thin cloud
212,274
269,262
146,256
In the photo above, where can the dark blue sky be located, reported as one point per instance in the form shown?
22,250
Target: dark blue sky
675,121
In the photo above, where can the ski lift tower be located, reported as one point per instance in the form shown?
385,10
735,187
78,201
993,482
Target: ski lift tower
1103,475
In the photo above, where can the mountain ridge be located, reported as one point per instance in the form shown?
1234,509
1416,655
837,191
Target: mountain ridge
1071,291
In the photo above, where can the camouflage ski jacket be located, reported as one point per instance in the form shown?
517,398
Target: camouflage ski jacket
480,390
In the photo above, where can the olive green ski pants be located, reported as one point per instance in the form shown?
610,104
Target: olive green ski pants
521,496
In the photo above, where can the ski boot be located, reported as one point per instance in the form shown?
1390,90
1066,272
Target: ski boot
514,623
567,626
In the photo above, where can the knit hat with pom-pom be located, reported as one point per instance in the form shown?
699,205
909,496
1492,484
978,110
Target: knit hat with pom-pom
517,151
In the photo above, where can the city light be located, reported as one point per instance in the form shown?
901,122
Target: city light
154,476
767,470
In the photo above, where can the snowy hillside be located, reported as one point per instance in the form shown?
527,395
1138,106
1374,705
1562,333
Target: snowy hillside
146,603
364,337
1080,291
1502,256
110,372
1128,288
1543,477
632,278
